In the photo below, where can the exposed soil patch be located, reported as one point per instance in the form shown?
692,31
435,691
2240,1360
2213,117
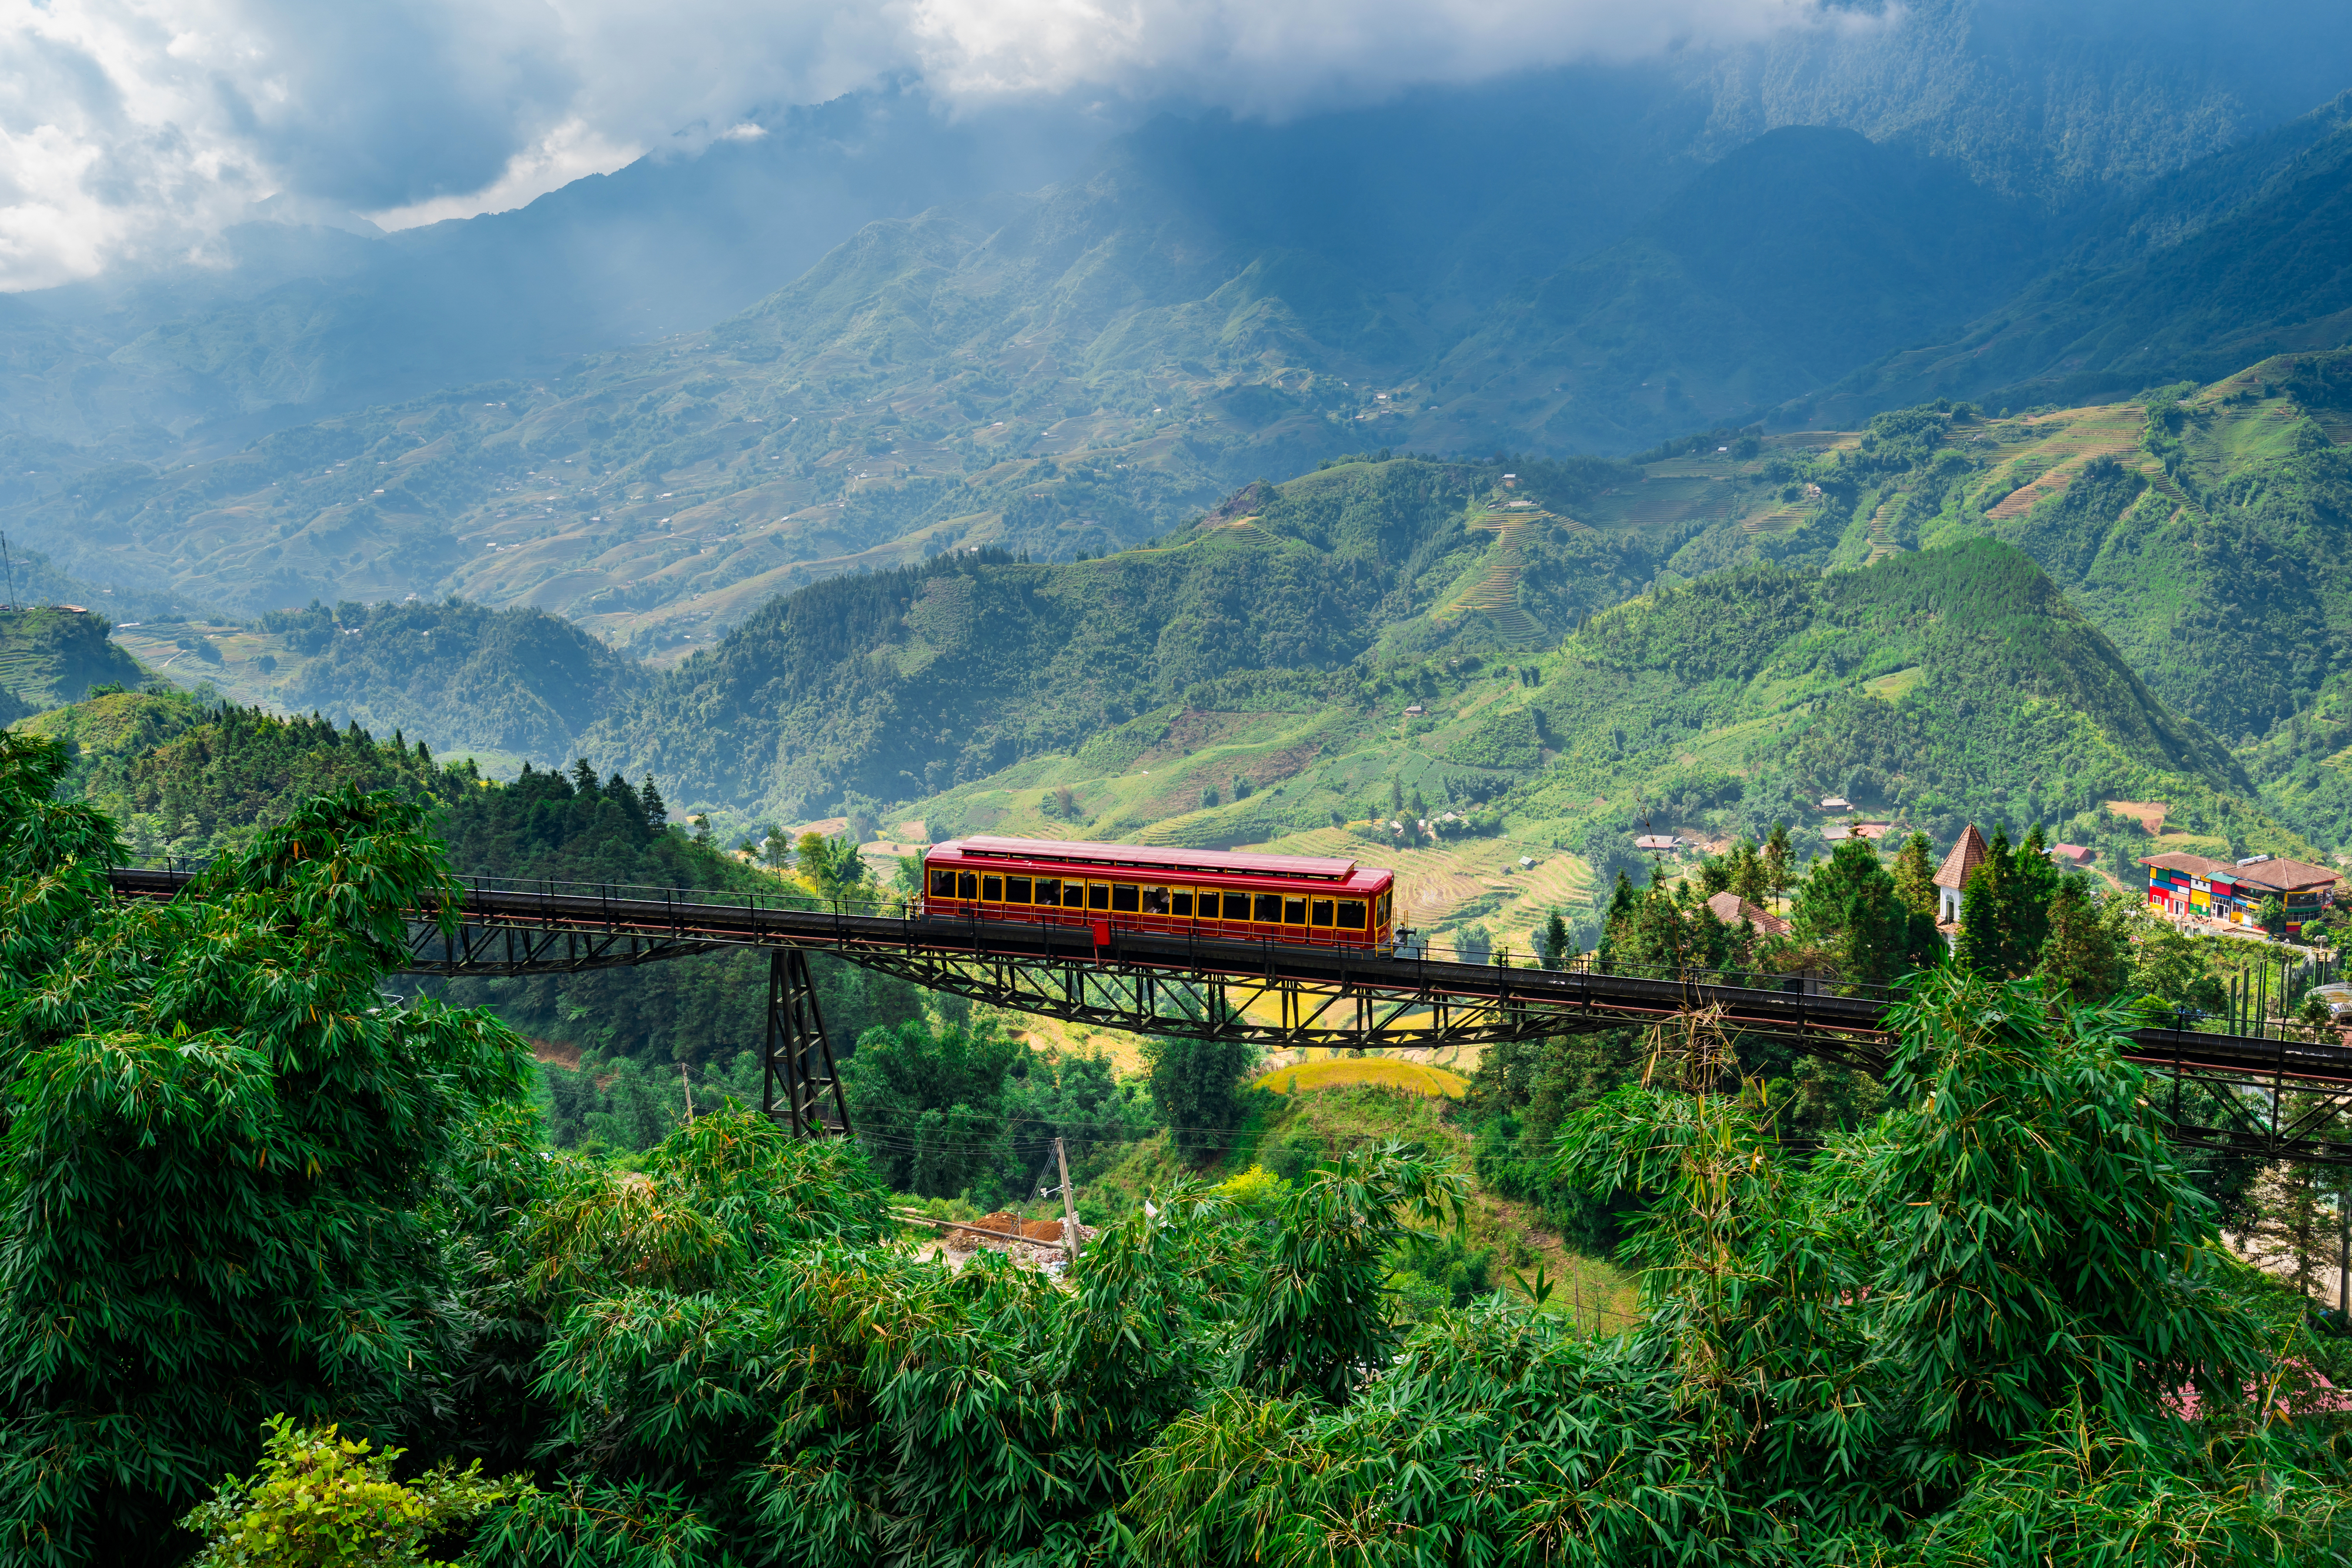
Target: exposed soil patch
554,1053
2149,814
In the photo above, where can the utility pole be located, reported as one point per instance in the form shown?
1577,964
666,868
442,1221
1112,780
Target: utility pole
1069,1206
689,1082
10,567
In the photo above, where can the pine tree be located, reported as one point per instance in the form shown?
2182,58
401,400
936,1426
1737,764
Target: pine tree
1915,876
1778,871
2079,955
1850,906
1714,874
2034,884
1551,942
1981,949
1748,878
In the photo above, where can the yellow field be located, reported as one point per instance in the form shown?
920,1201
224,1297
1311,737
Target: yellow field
1343,1071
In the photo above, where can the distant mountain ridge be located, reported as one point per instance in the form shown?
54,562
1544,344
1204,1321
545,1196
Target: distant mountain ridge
2222,264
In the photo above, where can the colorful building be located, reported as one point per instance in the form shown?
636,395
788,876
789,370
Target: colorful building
2191,886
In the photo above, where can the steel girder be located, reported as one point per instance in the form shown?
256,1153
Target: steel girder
799,1085
521,949
1276,1011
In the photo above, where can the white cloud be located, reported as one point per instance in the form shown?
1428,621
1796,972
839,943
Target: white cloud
1276,57
131,129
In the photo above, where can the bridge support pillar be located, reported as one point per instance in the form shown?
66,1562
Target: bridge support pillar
798,1084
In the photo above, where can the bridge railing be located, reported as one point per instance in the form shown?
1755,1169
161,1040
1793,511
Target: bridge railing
887,904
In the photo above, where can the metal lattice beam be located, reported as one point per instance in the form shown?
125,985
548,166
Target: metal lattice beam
2284,1096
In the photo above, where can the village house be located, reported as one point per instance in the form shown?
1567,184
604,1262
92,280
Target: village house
1734,910
2185,885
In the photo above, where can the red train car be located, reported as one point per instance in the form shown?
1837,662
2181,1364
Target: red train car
1131,887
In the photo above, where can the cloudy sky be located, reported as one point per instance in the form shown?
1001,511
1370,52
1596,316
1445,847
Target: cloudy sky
134,129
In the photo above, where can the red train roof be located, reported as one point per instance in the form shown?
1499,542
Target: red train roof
1320,868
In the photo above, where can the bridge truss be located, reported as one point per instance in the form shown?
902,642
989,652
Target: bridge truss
2280,1097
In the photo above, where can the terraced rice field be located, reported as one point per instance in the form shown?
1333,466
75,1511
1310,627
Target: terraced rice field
1342,1073
1658,502
1780,519
1496,594
2104,431
1882,529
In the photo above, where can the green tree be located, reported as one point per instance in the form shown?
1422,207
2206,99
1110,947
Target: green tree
219,1146
927,1101
832,868
320,1498
1320,1324
1993,926
2270,916
1553,944
1779,868
1747,876
1851,907
2080,957
1915,876
1197,1086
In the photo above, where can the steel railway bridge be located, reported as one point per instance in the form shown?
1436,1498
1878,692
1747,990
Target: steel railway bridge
2279,1095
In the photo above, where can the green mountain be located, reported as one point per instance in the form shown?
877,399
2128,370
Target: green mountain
2226,263
888,686
514,682
1401,641
55,654
1804,252
1087,365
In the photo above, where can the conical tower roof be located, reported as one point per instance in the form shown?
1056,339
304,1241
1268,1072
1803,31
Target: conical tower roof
1966,856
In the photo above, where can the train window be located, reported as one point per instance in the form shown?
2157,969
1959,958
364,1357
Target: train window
1351,915
1155,901
1074,895
968,884
1320,915
1294,912
991,888
1049,890
1097,896
942,882
1016,890
1124,897
1269,909
1180,901
1237,906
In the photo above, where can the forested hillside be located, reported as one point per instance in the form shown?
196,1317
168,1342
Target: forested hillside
1995,1316
514,681
1431,648
894,685
2216,266
51,656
